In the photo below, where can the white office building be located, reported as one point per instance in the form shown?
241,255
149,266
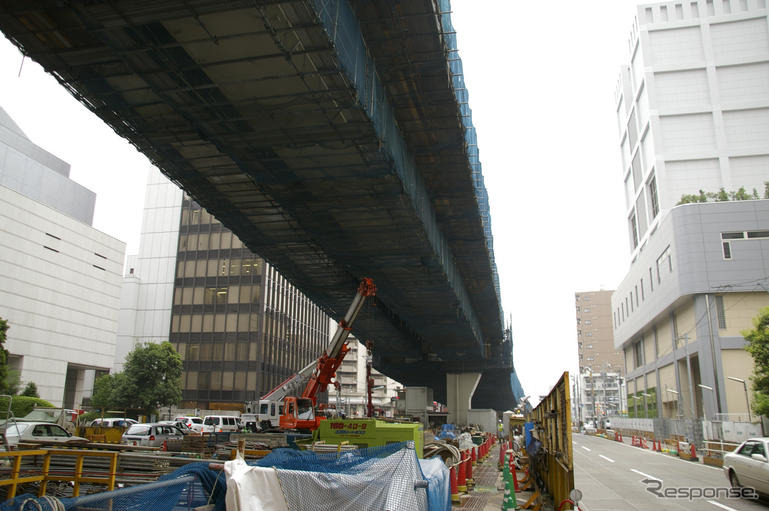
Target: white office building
148,286
693,116
59,277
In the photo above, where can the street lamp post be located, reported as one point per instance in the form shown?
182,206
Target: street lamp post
592,393
747,399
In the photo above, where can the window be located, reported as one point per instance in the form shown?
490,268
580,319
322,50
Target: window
654,204
643,294
588,322
748,449
586,310
664,261
651,279
720,312
633,231
727,250
758,234
638,353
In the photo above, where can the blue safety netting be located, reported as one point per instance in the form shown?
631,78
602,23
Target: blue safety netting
343,30
196,485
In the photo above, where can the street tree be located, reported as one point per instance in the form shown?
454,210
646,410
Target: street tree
4,384
758,347
151,379
154,374
30,390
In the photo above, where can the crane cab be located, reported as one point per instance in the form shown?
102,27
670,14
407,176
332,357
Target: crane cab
299,414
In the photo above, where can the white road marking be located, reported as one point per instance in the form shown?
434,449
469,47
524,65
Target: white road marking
667,456
647,476
607,459
586,448
721,505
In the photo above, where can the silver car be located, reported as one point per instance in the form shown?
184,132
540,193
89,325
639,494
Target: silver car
40,432
152,435
748,465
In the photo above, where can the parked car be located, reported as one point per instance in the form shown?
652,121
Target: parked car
748,465
220,424
152,435
182,427
39,432
194,423
113,422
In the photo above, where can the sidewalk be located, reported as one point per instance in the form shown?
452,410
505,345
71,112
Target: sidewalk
489,490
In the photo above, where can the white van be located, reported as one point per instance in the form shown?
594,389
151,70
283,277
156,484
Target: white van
220,424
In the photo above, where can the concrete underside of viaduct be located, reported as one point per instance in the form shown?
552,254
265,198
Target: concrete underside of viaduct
328,135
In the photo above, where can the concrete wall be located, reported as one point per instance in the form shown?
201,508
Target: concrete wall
697,79
59,291
39,175
147,295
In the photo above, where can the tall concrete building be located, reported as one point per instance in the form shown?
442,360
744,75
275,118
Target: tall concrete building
693,114
59,277
240,327
595,338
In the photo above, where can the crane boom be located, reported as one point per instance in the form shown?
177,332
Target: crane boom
317,374
337,348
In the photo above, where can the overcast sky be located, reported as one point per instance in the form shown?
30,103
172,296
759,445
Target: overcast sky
541,78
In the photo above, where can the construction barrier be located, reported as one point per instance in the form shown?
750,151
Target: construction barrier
553,418
76,476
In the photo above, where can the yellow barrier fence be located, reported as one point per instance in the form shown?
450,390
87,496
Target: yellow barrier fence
45,475
552,419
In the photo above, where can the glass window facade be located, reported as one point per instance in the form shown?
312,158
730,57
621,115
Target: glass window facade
240,327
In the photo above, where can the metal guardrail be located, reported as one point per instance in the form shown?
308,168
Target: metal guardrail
552,419
43,476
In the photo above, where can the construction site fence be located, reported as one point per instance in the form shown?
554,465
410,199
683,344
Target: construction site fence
697,431
194,485
552,426
18,473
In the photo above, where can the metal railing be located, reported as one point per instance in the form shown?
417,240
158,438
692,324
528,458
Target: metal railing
43,475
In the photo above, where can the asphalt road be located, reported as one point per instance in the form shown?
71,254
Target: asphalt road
611,474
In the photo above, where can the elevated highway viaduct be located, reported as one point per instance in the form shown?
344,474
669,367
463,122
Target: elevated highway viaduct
332,136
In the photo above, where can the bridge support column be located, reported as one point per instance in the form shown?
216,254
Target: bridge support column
460,388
